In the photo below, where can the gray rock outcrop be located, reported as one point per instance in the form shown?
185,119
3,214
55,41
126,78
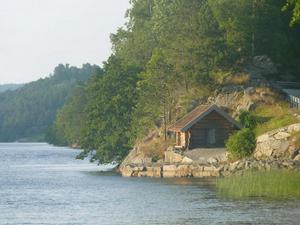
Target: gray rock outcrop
277,143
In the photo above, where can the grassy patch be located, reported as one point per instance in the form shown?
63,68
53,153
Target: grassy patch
240,79
269,184
228,78
271,117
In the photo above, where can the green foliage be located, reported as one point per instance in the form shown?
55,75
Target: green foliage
70,120
247,119
31,109
255,28
156,93
241,144
274,184
295,4
112,98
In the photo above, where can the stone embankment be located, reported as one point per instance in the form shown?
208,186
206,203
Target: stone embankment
208,170
275,150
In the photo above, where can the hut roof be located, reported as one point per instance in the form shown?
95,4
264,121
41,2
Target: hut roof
197,115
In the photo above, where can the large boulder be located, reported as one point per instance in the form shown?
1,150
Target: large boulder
169,170
187,160
137,157
172,157
183,171
197,171
126,171
277,143
297,158
154,171
282,135
294,128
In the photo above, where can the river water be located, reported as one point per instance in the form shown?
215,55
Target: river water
41,184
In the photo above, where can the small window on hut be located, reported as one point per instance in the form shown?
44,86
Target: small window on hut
211,136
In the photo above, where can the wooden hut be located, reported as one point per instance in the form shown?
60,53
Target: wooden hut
204,127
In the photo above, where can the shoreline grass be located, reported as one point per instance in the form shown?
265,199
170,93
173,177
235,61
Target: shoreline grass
273,117
274,184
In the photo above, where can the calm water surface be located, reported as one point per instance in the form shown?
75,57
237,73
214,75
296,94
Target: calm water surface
41,184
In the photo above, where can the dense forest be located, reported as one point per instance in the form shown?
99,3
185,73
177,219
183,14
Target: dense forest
27,112
170,54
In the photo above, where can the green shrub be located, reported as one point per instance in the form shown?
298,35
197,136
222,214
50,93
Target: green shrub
156,158
241,144
247,119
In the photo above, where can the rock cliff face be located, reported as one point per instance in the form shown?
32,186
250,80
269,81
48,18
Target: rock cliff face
278,143
236,98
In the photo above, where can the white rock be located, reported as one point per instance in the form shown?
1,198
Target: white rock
284,146
294,128
209,168
262,138
263,149
212,160
187,160
274,144
172,157
222,158
282,135
297,157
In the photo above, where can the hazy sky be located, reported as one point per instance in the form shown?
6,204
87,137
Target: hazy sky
36,35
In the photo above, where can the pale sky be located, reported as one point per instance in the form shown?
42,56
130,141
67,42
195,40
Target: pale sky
37,35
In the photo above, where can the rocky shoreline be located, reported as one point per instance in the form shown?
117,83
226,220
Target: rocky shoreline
207,170
275,150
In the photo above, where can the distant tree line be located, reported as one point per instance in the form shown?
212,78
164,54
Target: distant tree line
27,112
9,87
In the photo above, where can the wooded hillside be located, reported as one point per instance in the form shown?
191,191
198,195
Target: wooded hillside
26,113
167,58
